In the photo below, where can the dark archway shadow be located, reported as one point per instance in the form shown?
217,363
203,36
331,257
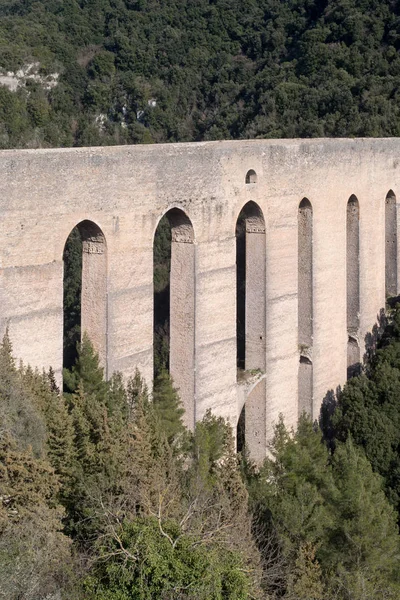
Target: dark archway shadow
85,291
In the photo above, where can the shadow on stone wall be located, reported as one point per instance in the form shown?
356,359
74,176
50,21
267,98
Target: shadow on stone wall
373,337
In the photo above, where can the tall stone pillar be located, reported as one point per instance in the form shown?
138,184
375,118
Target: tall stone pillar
255,328
305,307
94,289
182,320
353,286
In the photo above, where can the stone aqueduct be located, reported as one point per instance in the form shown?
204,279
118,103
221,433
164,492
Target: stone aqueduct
321,255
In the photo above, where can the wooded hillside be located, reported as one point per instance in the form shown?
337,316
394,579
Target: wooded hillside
125,71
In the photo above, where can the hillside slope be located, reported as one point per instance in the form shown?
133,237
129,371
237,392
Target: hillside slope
85,72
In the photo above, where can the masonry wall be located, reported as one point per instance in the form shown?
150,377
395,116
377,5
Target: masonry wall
125,190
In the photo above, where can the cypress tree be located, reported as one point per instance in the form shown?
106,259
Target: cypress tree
60,439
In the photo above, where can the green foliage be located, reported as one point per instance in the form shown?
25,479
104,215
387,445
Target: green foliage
363,546
86,372
209,443
177,529
336,531
90,450
161,275
19,414
305,583
72,297
368,410
163,513
168,407
135,485
153,566
235,70
34,554
299,481
162,254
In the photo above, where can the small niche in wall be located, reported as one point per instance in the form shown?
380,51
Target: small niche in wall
251,176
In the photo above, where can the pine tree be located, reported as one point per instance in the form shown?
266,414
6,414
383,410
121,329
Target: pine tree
333,507
363,545
87,372
7,362
137,393
60,440
168,407
293,485
368,410
20,409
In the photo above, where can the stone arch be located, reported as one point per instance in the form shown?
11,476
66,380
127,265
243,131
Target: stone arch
305,305
251,319
93,285
391,283
251,176
182,309
353,284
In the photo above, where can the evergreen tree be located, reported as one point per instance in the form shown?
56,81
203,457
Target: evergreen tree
305,582
137,394
363,545
97,414
97,460
333,522
86,372
368,410
168,407
19,407
34,554
61,449
170,536
294,484
209,444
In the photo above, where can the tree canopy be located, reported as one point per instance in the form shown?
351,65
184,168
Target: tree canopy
254,68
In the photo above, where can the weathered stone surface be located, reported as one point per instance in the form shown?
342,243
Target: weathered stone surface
126,190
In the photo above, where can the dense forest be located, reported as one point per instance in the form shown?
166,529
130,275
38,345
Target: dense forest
106,496
95,72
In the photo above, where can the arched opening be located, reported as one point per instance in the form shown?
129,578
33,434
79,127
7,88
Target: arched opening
251,176
353,285
251,321
390,245
85,291
174,301
305,305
